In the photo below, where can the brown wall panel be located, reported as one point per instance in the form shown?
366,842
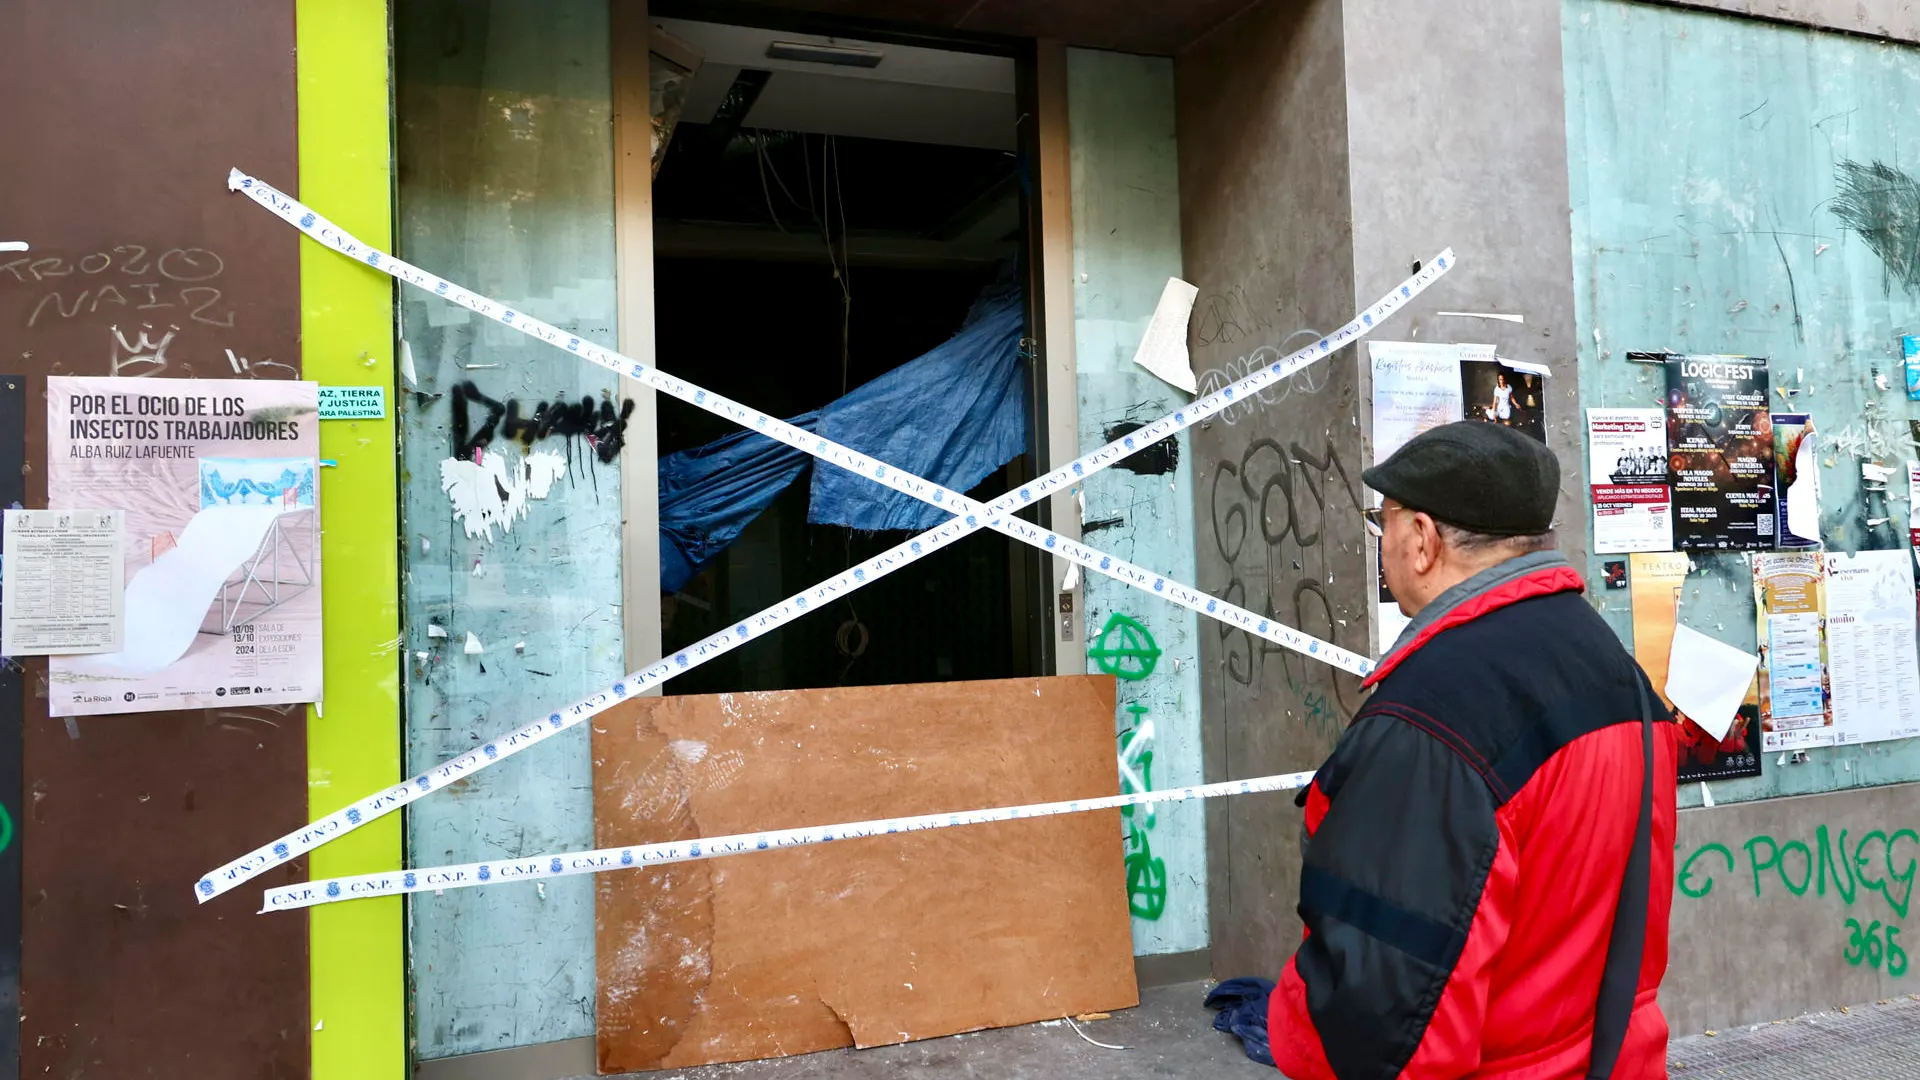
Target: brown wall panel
864,942
120,124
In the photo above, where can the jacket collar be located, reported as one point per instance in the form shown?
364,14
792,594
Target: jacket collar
1523,577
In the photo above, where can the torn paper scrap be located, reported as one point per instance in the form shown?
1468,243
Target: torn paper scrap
13,245
1707,679
1501,316
495,491
435,630
406,364
1163,350
1071,581
1874,473
474,648
1528,366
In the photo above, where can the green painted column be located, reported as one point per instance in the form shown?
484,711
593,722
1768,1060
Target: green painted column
1126,244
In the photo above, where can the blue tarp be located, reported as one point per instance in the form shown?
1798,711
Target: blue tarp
953,416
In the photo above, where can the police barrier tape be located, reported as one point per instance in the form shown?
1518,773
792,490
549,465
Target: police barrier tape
568,864
973,516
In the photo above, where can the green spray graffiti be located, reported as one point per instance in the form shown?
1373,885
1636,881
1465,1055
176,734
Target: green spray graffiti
1124,649
1872,865
1146,875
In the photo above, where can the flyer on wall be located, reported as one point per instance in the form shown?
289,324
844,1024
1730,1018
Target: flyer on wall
1627,464
1656,579
1496,393
1871,641
1795,709
1720,447
1416,386
215,480
1796,480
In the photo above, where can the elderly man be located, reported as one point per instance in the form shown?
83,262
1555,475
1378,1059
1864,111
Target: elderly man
1485,876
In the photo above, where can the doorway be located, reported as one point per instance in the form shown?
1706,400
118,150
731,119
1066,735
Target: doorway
841,238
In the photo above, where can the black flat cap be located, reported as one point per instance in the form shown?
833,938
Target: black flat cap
1482,477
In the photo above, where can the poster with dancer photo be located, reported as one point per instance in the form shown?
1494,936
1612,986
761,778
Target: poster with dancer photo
1720,449
216,482
1498,394
1627,472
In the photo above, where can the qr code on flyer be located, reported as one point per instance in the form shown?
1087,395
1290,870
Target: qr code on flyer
1763,524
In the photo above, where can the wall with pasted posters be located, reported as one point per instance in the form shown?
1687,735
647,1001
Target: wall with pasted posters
1126,241
1735,190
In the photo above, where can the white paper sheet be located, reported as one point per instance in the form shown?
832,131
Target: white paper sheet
1707,679
1416,386
1871,656
1627,471
63,585
168,600
1163,349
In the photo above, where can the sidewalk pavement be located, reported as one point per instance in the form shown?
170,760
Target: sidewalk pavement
1171,1035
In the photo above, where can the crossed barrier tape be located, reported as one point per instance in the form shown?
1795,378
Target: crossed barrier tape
600,860
971,517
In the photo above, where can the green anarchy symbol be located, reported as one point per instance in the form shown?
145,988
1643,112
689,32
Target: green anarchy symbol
1124,649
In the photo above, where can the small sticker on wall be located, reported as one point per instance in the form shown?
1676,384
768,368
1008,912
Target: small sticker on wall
353,403
1616,573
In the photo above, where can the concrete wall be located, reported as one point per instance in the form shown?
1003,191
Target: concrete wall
1457,131
1264,214
1789,906
1896,19
1126,244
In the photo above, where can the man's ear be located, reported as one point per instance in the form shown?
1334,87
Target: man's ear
1427,556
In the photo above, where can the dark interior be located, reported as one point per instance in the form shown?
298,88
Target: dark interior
787,332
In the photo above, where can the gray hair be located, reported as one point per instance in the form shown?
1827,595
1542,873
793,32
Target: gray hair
1468,542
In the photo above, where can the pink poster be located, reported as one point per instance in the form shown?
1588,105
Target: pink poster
216,481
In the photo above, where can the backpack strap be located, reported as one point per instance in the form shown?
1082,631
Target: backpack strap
1627,944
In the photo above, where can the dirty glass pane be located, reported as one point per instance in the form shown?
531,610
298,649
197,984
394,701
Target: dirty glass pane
511,498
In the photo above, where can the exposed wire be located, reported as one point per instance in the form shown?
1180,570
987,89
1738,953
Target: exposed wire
1096,1042
844,271
760,158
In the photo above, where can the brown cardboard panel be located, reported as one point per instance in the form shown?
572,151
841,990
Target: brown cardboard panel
120,125
858,942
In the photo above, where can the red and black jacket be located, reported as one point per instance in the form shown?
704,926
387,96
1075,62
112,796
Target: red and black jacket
1466,846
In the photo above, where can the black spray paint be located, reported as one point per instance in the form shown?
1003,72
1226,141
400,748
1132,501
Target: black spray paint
603,428
1881,204
1160,459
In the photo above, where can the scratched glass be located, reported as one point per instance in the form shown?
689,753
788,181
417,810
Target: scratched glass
511,500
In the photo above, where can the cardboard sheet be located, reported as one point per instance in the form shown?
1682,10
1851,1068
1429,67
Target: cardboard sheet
862,942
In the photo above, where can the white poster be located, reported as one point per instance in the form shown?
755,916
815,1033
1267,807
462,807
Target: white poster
216,481
1416,386
1871,656
64,576
1627,471
1913,503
